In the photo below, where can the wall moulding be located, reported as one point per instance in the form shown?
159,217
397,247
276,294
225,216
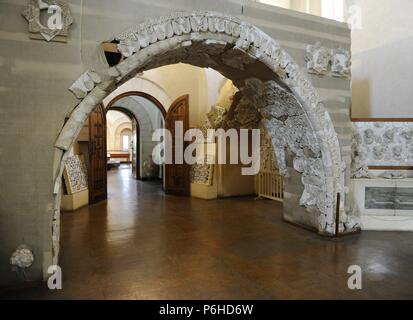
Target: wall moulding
201,39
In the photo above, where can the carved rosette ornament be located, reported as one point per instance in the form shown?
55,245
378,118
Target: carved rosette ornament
58,24
22,258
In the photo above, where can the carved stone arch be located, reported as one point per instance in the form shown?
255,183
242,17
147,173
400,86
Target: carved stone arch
288,102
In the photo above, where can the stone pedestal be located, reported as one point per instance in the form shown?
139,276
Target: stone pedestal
72,202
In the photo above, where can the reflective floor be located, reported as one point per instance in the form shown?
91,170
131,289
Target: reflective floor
142,244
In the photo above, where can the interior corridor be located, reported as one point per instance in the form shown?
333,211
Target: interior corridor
142,244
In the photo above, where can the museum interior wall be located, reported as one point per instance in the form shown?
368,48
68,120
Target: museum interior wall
36,75
382,60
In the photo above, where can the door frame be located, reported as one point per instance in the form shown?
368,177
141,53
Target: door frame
92,198
147,96
139,94
187,178
137,137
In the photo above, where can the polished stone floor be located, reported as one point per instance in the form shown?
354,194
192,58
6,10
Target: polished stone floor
142,244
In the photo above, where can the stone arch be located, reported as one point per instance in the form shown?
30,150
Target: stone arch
142,94
290,106
127,102
140,84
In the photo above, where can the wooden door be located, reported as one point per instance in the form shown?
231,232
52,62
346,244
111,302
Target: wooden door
135,149
97,155
177,176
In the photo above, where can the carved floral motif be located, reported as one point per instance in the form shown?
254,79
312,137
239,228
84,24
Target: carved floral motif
384,144
63,21
22,258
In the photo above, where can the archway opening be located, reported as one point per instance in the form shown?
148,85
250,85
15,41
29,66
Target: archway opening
302,135
148,115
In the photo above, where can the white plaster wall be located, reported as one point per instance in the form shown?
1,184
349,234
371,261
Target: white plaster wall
383,60
181,79
171,82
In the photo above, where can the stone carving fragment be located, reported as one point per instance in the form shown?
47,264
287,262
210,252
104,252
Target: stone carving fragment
378,152
359,168
388,136
325,61
85,83
246,115
22,258
407,135
288,128
75,175
369,136
318,58
383,144
60,20
397,152
202,173
340,63
394,174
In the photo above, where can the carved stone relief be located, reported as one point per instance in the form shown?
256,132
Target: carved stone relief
202,173
57,28
325,61
267,156
382,144
341,63
22,257
318,58
85,83
359,167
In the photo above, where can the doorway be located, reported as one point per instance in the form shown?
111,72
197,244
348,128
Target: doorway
121,134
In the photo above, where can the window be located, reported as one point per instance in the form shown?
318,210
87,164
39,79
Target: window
333,9
330,9
125,142
279,3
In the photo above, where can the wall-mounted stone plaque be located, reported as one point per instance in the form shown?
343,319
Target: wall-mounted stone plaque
48,19
389,198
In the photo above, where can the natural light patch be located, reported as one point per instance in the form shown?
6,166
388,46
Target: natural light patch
125,142
330,9
333,9
279,3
